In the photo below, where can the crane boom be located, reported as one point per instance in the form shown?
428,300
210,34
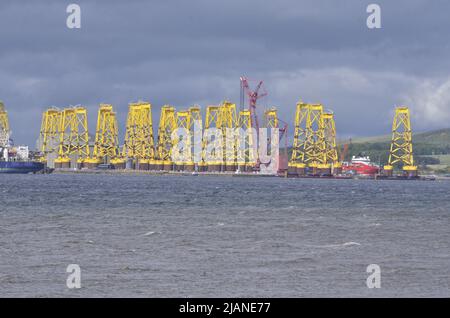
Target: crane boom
253,96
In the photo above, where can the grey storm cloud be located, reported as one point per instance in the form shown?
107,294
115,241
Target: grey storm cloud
193,52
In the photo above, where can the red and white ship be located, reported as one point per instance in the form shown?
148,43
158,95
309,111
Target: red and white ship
360,165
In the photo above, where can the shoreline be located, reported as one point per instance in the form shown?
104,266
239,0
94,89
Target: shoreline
158,173
233,174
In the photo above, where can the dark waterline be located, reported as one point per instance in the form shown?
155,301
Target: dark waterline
175,236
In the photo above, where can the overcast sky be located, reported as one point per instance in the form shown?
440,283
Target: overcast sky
193,52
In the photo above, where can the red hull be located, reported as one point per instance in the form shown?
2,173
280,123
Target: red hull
361,168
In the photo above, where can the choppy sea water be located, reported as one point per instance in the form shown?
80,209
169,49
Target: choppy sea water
187,236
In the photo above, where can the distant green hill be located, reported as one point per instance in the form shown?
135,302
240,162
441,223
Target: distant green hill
431,149
439,137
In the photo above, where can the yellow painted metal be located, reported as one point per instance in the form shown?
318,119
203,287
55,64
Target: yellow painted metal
196,136
401,151
212,121
186,120
315,139
184,154
4,126
167,124
271,118
271,122
228,123
74,135
223,118
298,157
139,142
245,146
106,145
330,152
309,140
49,136
195,116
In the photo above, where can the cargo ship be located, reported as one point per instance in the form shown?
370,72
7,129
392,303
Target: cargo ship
14,159
20,166
360,165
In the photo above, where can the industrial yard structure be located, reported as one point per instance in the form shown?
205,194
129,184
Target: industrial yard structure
4,126
65,133
401,151
314,151
228,140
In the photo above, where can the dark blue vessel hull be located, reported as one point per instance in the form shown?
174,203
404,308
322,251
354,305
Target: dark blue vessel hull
20,166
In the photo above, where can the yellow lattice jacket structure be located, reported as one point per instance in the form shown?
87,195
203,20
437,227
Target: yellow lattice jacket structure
245,154
331,158
167,124
4,126
49,136
401,151
74,138
106,145
184,142
212,160
139,143
314,141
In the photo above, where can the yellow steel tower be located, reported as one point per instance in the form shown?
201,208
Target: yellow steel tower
195,116
139,142
401,151
246,156
228,124
4,127
74,137
331,160
271,122
309,140
212,150
315,139
297,163
196,122
167,124
271,118
49,136
183,155
106,147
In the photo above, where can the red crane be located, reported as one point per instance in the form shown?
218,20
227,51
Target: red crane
284,134
283,131
253,96
345,151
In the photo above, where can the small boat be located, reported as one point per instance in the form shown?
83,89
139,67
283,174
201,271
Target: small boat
360,166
